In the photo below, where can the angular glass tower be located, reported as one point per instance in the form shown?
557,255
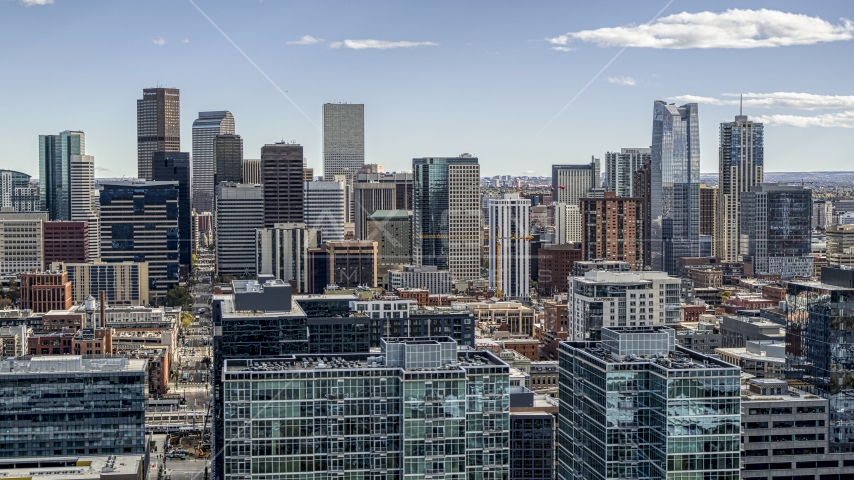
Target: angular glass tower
55,153
206,128
675,185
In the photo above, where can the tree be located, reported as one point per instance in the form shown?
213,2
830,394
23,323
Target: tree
13,293
179,296
186,319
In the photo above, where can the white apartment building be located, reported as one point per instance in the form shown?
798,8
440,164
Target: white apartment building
386,307
21,241
509,246
85,199
609,299
567,223
324,208
437,282
282,251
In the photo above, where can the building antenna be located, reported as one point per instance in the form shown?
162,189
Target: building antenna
740,104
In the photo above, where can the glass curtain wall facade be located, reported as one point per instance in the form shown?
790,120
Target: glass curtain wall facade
55,153
820,342
367,417
675,185
627,413
205,130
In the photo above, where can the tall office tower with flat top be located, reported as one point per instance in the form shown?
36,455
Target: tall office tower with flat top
250,171
741,158
175,166
158,126
205,130
55,152
228,159
619,167
281,175
343,144
572,182
674,186
509,246
84,201
447,215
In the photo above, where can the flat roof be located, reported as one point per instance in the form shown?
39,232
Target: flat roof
317,362
679,359
83,468
69,364
743,353
228,311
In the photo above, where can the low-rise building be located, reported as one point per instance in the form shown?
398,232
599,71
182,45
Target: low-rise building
45,291
13,340
517,318
579,269
737,330
700,337
426,277
544,375
760,358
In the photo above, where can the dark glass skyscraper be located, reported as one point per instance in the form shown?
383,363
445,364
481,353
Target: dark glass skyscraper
55,153
281,175
175,166
227,159
675,185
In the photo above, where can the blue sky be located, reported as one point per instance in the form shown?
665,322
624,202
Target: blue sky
488,82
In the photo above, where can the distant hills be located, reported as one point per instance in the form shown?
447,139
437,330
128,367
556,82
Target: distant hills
815,179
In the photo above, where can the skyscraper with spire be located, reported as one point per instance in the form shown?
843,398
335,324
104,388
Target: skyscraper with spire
741,163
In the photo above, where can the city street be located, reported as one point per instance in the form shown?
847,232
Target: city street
193,468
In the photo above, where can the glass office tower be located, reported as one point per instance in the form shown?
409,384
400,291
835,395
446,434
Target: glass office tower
635,405
55,153
418,409
675,185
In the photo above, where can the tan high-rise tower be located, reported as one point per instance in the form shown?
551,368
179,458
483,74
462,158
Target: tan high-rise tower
158,126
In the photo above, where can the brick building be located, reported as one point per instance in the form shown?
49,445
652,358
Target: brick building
66,242
45,291
612,230
554,265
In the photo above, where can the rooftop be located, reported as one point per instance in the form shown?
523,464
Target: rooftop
69,363
82,468
348,362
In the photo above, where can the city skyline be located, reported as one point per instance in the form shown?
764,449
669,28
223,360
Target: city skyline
408,116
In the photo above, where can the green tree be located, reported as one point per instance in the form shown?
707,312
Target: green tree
179,296
186,319
13,293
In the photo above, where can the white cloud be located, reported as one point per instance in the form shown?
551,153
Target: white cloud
627,81
306,40
379,44
186,40
159,41
841,119
791,100
734,28
800,101
30,3
563,49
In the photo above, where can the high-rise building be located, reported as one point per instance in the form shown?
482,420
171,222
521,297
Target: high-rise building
175,166
392,230
674,186
509,246
467,409
629,400
613,229
343,144
352,263
379,191
620,167
641,185
55,152
447,215
139,223
17,193
822,214
21,241
125,283
239,212
819,342
567,223
282,251
840,244
66,242
554,265
158,126
602,299
776,229
532,442
741,158
324,208
84,201
572,182
111,389
281,175
250,171
708,209
227,159
205,130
